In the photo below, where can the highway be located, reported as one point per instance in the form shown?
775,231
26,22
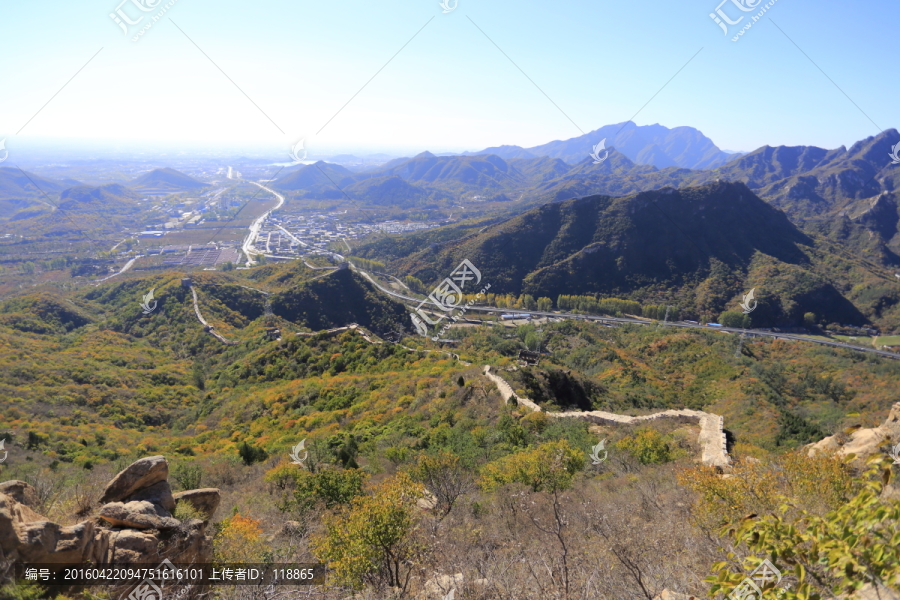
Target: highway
602,319
248,248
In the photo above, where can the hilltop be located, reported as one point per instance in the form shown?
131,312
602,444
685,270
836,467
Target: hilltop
165,180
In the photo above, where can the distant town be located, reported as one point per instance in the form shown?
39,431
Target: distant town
280,235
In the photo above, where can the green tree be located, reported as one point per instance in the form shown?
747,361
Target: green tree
533,341
544,304
345,449
198,375
188,475
333,487
732,318
251,454
810,320
414,283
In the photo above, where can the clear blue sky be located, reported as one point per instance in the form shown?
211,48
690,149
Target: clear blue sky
450,88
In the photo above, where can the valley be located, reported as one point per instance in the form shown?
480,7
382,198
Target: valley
672,343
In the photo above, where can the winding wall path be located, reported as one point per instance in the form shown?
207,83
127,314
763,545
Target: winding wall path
209,328
714,451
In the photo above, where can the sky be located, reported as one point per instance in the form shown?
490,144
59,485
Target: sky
403,76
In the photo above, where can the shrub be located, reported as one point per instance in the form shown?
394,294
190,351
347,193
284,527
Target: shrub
535,421
187,475
443,476
815,483
239,539
251,454
647,445
185,511
551,466
333,487
371,541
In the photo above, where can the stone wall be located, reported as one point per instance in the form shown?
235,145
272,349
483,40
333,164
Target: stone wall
713,443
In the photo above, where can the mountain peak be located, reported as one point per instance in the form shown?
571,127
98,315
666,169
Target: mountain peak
655,145
166,179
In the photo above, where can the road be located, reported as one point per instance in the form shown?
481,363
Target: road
293,237
563,315
127,266
248,248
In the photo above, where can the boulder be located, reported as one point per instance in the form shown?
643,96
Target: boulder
139,514
127,546
159,493
428,501
138,475
21,492
98,550
29,537
190,545
13,514
50,543
290,528
136,502
205,501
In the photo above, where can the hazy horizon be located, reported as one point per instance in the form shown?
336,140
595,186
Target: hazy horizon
402,78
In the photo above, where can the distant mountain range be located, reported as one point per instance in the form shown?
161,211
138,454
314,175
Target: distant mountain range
655,145
496,170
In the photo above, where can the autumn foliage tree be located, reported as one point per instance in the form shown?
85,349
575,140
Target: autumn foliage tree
550,466
855,546
444,476
372,541
239,539
816,483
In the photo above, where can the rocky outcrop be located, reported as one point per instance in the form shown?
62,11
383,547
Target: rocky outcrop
159,493
137,476
712,440
205,501
138,515
134,524
862,443
21,492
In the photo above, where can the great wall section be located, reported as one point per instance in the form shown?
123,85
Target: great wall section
712,440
